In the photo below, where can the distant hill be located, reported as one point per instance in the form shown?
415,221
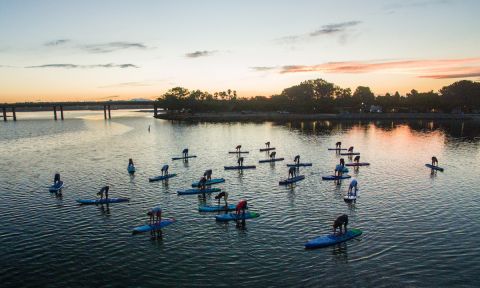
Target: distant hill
140,99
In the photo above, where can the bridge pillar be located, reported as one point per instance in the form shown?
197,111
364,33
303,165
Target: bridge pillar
109,115
61,112
55,112
105,111
14,114
4,113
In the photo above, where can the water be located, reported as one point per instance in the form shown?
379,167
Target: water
419,229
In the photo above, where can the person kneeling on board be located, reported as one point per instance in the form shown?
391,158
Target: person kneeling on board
208,174
267,144
272,155
185,153
202,184
356,159
292,172
240,161
350,150
165,170
434,161
339,222
338,145
352,188
155,215
238,148
296,160
240,208
225,198
103,191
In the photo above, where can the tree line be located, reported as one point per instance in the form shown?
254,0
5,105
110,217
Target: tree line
320,96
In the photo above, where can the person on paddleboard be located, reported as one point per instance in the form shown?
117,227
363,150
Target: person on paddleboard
272,155
342,161
352,188
434,161
130,163
350,150
225,198
338,145
296,160
356,159
292,172
56,179
267,144
339,170
202,184
240,161
155,215
185,153
208,174
238,148
341,221
240,210
104,192
165,170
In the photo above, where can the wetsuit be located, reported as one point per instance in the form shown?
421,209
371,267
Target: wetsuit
165,170
339,222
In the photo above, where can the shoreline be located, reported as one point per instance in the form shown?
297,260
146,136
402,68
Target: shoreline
275,116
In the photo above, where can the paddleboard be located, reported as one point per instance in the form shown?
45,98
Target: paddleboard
337,149
350,154
103,201
236,152
56,188
266,149
349,198
357,164
158,178
153,227
271,160
333,177
434,167
198,191
233,216
328,240
299,165
216,208
180,158
239,167
210,182
292,180
131,169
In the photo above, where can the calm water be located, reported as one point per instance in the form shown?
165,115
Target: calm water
419,229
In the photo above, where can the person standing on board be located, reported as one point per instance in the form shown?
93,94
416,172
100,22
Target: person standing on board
240,161
238,148
102,192
130,163
342,161
292,172
225,198
352,188
296,160
185,153
339,222
339,170
338,145
267,144
350,150
165,170
434,161
272,155
202,184
155,215
240,209
208,174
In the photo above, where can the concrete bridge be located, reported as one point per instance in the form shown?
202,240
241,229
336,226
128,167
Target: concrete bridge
61,106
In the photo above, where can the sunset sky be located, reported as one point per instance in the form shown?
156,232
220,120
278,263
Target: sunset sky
101,50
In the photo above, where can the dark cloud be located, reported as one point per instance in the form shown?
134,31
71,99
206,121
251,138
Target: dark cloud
263,68
113,46
57,42
334,28
75,66
197,54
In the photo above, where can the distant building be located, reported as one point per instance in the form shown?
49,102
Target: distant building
375,109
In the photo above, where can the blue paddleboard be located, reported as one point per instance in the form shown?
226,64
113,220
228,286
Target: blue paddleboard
210,182
57,187
292,180
328,240
233,216
216,208
239,167
158,178
271,160
299,165
434,167
180,158
153,227
333,177
198,191
103,201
